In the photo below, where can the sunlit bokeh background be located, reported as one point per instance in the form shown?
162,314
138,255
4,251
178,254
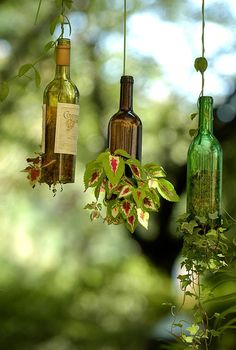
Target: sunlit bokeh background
67,283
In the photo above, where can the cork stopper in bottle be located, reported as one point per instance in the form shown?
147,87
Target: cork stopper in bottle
63,52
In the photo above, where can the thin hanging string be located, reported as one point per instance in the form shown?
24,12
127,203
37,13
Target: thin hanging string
124,52
203,41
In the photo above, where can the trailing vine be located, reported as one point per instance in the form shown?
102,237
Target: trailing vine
24,70
34,165
206,252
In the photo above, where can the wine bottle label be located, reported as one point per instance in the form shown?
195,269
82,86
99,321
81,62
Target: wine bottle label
43,128
66,128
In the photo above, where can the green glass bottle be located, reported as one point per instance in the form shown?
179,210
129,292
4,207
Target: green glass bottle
60,122
204,168
125,127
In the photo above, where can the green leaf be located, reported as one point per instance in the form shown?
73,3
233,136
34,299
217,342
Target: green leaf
200,64
213,216
49,46
123,153
166,190
178,325
155,197
54,23
189,226
102,156
187,339
24,69
155,170
37,78
214,333
193,132
193,116
4,90
114,168
193,329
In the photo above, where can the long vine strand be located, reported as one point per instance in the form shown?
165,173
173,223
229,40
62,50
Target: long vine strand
203,41
201,63
124,52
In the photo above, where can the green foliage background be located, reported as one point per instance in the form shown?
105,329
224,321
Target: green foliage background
65,283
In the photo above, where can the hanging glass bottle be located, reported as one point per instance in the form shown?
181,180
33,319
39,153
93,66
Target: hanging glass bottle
204,168
125,127
60,122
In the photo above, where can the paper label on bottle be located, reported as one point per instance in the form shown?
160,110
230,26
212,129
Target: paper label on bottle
66,128
43,128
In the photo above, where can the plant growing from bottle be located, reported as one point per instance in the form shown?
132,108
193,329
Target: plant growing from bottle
206,247
56,162
125,191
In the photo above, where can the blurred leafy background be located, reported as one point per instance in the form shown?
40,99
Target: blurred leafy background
65,283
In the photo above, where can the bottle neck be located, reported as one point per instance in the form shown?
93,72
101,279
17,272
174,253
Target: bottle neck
126,93
62,72
205,123
63,59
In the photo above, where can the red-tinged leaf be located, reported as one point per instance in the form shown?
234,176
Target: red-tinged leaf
131,222
34,174
134,165
95,214
148,203
136,171
125,191
126,207
115,211
91,178
143,217
95,176
138,195
114,163
114,167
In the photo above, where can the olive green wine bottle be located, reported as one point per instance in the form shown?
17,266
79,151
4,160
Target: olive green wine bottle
125,127
60,122
204,168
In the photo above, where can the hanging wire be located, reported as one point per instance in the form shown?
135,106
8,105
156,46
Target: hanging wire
203,41
124,52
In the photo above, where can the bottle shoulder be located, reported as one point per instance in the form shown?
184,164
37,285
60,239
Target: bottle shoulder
126,116
62,89
205,142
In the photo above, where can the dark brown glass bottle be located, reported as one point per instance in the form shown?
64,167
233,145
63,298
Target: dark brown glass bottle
60,122
125,127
